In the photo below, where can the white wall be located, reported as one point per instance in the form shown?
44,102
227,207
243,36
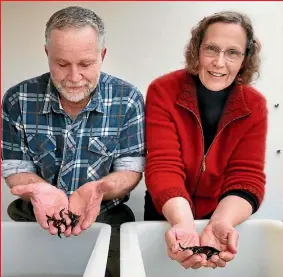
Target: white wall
145,40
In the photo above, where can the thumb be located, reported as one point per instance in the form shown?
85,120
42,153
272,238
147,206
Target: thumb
171,241
21,190
233,241
89,219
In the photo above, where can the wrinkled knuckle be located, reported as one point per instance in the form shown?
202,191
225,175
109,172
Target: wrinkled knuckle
180,260
185,265
221,263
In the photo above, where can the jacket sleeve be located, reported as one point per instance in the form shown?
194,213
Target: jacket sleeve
164,170
245,170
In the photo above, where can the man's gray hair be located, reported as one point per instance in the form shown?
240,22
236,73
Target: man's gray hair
76,17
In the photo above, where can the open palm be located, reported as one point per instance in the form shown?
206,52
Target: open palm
223,237
46,200
179,235
85,202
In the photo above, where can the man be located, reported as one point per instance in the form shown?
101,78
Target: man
73,138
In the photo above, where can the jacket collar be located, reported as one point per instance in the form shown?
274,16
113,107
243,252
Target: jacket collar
235,107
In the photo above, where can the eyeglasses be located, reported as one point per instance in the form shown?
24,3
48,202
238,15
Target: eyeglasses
231,55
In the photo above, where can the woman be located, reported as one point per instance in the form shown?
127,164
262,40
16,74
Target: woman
206,133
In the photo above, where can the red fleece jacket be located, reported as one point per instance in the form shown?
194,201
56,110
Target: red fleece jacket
176,164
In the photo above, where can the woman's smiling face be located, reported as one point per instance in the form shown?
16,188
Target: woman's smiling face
217,72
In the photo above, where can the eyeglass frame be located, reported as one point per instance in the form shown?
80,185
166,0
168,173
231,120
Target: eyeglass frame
224,51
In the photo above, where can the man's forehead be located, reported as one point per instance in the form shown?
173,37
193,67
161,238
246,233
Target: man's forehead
85,35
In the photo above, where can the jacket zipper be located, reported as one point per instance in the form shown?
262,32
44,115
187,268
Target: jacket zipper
203,165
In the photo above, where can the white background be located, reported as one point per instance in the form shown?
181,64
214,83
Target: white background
144,41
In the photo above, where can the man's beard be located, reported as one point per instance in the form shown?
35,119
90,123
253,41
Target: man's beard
67,92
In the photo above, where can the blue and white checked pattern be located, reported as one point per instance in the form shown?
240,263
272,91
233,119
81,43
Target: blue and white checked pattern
69,153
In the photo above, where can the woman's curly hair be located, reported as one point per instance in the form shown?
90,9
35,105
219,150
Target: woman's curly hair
251,65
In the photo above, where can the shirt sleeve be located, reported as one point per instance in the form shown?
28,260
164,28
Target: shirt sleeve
10,167
131,150
14,145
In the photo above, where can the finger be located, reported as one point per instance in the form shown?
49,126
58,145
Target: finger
214,258
58,212
60,215
44,225
171,241
180,255
89,219
220,263
68,232
233,241
198,265
77,229
42,222
75,205
52,229
67,219
170,254
41,218
202,263
54,226
191,261
226,256
20,190
211,264
62,228
204,259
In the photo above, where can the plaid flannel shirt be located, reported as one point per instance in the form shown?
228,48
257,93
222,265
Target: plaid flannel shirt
39,137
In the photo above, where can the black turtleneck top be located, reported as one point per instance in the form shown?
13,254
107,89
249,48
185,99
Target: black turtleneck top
211,105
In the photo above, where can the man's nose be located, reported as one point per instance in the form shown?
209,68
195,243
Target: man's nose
75,75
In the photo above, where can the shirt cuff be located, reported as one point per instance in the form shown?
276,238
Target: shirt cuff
10,167
129,164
